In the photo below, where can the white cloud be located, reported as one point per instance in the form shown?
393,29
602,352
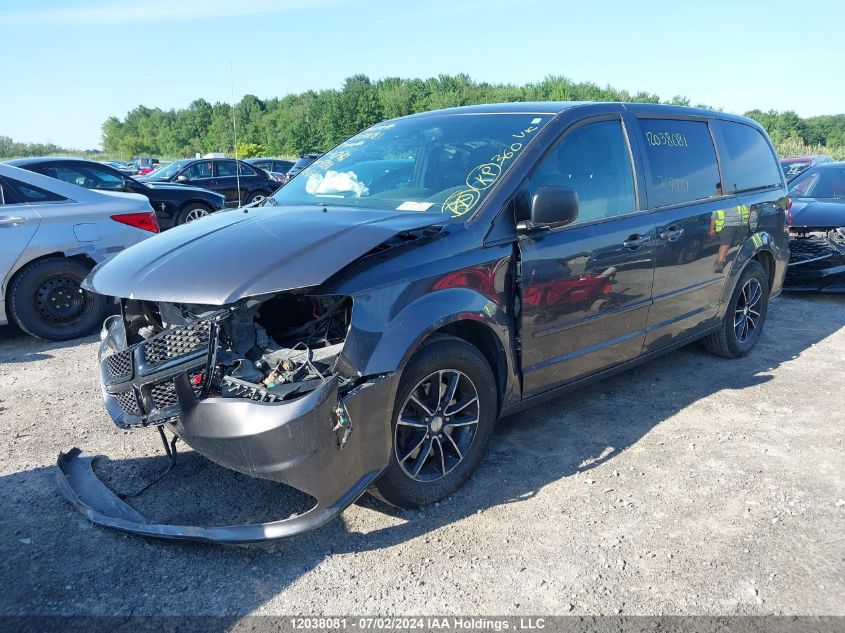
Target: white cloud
135,12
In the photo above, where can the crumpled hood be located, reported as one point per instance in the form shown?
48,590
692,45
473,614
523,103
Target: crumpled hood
817,214
246,252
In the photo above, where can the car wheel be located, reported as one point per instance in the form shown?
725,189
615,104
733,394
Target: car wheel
746,314
443,416
192,212
255,196
46,301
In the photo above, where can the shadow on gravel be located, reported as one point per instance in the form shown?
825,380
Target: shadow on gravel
17,346
53,561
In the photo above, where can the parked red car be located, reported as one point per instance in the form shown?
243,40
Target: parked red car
145,165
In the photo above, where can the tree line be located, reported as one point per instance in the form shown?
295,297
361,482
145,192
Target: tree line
318,120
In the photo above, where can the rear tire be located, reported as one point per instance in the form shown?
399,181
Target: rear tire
192,212
46,301
438,440
745,316
255,196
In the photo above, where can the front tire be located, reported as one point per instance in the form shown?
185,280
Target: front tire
47,302
443,416
746,314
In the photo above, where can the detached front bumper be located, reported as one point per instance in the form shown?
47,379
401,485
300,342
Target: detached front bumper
293,442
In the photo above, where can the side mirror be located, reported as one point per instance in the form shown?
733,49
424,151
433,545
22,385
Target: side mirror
551,207
182,178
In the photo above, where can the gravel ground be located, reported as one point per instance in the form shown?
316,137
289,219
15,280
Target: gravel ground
692,485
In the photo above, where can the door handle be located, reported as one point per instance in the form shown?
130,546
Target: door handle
636,240
671,234
11,220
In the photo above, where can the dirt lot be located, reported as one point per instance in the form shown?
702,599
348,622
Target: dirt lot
692,485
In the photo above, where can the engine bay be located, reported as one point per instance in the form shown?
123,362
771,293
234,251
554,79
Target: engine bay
267,349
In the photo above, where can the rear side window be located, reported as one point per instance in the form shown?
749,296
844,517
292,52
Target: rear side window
681,159
749,162
70,175
229,168
246,170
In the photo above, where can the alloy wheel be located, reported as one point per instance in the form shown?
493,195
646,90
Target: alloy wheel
195,214
747,311
436,425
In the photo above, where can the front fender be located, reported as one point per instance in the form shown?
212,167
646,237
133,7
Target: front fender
371,349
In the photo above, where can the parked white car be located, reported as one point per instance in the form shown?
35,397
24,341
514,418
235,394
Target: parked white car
51,235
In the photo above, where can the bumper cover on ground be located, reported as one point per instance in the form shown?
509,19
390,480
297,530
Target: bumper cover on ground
81,486
293,443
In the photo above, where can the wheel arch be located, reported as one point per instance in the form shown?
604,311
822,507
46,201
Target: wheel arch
767,260
195,201
759,247
82,258
460,312
482,337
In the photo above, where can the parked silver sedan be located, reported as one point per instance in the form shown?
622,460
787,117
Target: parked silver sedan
51,235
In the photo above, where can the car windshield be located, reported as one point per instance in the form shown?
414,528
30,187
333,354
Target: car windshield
303,162
443,163
819,183
169,170
794,167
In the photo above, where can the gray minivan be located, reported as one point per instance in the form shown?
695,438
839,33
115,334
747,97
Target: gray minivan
367,326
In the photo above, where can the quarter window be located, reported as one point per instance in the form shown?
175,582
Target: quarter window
682,161
594,161
25,192
750,162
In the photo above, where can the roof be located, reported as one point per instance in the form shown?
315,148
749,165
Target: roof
557,107
830,165
60,187
16,162
826,158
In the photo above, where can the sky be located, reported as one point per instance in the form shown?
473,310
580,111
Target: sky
67,65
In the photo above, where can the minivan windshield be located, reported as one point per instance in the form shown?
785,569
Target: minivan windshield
444,163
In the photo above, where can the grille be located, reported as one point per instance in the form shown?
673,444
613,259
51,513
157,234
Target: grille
120,364
164,393
128,402
805,250
177,343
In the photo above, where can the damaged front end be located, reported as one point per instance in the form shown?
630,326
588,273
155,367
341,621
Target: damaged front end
816,262
253,386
